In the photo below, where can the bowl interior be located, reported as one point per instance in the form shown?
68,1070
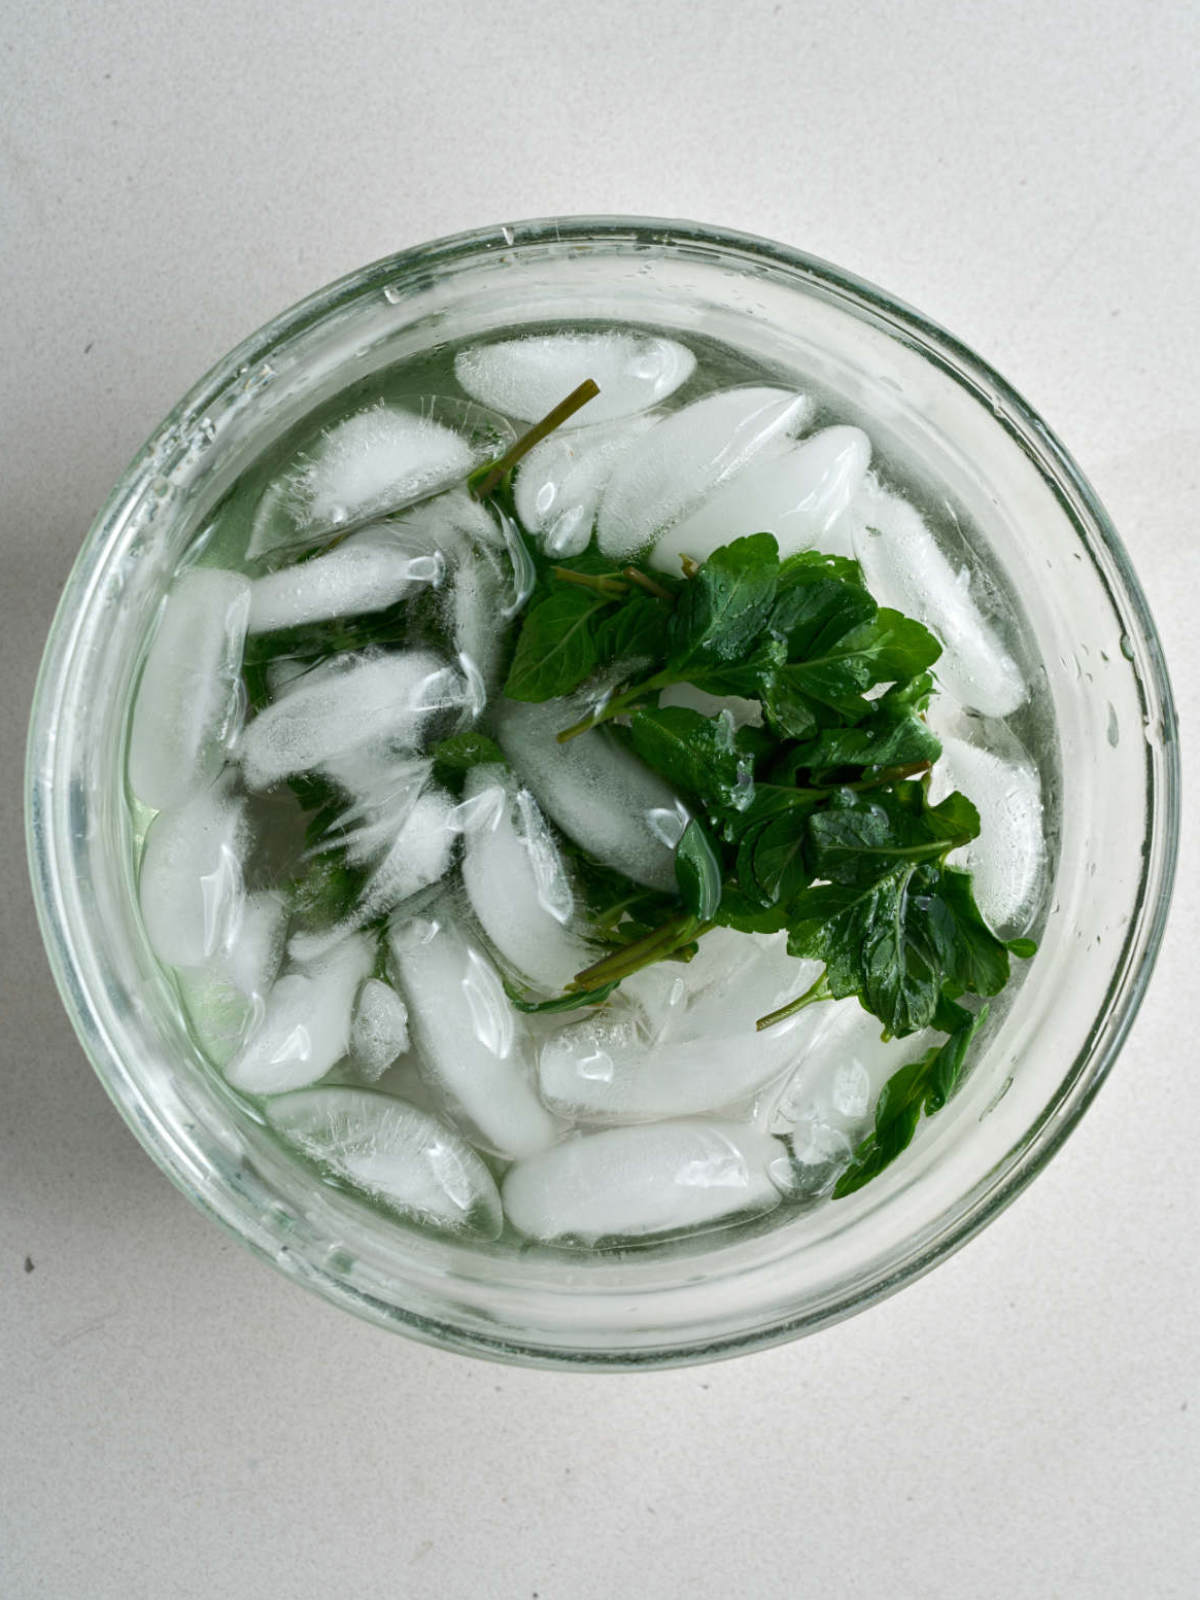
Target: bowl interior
1101,690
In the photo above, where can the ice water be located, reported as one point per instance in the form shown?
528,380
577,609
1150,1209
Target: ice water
346,927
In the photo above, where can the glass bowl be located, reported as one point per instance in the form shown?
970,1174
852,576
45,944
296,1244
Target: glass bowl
938,407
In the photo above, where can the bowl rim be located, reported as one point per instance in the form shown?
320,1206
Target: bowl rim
1040,1142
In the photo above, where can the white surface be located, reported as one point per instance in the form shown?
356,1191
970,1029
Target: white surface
180,1422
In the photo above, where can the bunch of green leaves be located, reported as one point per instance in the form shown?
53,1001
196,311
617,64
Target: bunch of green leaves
817,823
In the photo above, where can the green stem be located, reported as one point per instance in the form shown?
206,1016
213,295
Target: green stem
654,946
884,776
819,991
587,390
617,706
645,582
602,582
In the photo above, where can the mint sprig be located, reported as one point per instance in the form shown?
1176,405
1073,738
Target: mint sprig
817,823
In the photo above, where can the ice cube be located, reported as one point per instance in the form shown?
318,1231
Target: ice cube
378,460
690,453
344,704
596,791
734,979
405,1158
482,587
476,612
560,482
445,435
474,1047
526,378
826,1104
190,882
254,948
904,568
189,701
517,882
220,1017
589,1074
661,1177
1008,858
418,856
453,524
305,1028
379,1031
370,572
800,496
692,1046
383,786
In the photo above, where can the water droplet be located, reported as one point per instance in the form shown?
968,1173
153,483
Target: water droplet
393,294
339,1260
1113,731
1127,647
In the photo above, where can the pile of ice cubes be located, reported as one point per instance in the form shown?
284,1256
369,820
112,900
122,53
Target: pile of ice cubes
384,1044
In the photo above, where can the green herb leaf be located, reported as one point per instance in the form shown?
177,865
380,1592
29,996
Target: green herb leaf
923,1085
900,940
971,957
859,838
462,751
947,1064
892,734
897,1112
814,609
556,649
744,914
632,631
805,564
723,609
465,750
772,844
703,756
746,677
326,893
888,648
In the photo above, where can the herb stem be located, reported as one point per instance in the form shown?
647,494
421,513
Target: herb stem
819,991
654,946
616,707
885,775
601,582
644,581
587,390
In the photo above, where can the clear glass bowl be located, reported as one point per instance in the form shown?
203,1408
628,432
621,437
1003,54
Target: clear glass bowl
933,403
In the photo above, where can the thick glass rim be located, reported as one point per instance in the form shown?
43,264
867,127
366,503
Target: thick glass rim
1039,1142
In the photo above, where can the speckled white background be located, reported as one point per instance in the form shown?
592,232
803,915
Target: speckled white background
179,1422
